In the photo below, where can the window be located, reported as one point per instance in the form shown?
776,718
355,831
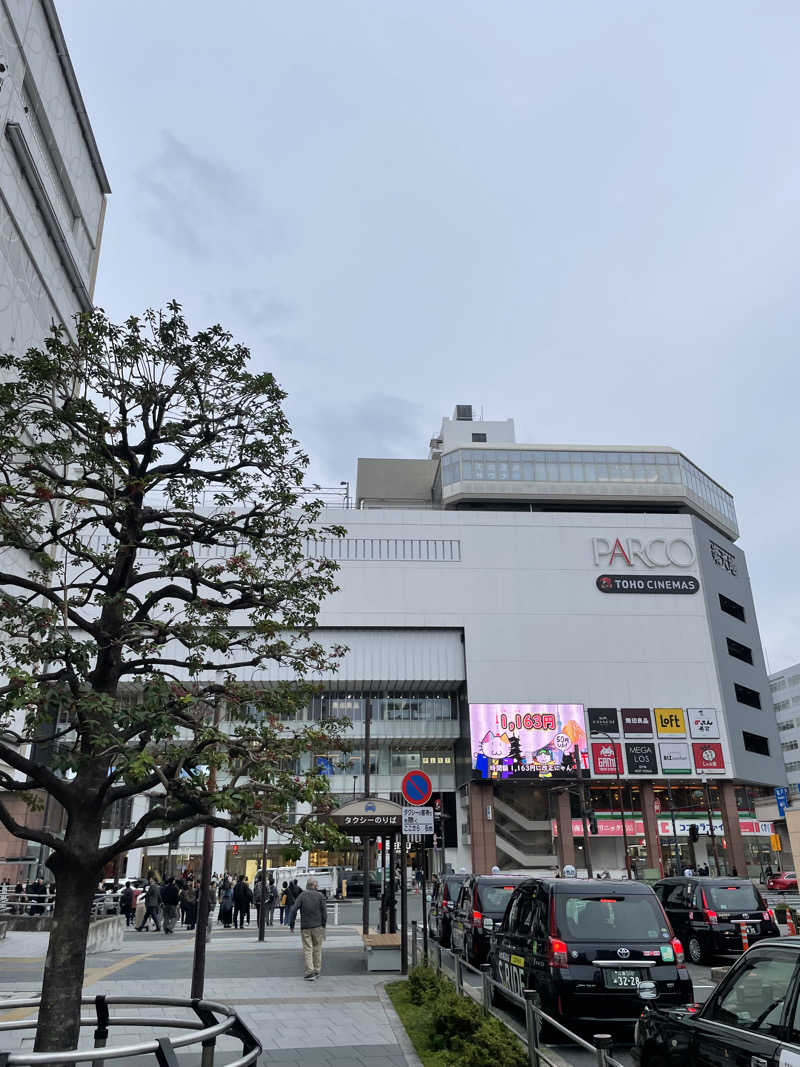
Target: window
794,680
781,705
795,701
777,684
753,1000
788,725
747,696
790,746
731,607
757,743
739,651
679,897
479,438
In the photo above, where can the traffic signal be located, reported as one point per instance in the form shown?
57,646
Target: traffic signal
592,822
694,833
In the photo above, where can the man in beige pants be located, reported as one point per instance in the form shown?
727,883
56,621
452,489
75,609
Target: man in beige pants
313,909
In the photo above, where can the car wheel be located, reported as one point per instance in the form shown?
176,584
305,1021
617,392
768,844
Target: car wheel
695,950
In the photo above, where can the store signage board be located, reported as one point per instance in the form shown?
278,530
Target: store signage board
703,722
675,757
708,757
677,584
418,820
670,722
641,756
368,816
609,826
607,758
527,740
782,799
602,720
636,721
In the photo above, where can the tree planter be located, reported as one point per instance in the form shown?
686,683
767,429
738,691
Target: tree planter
205,1021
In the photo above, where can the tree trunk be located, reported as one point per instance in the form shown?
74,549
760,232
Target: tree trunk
58,1027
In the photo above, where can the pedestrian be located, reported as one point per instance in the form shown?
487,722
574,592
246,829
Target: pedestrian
284,902
271,897
241,902
258,897
181,884
152,904
225,903
190,902
313,910
292,893
170,898
126,904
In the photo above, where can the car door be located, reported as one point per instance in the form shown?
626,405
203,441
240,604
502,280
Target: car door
745,1020
676,905
513,942
463,901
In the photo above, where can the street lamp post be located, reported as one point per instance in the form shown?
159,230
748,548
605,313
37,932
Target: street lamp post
621,808
587,850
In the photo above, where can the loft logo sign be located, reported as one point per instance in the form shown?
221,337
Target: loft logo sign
628,551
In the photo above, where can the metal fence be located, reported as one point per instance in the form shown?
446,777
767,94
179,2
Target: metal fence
453,966
43,904
211,1021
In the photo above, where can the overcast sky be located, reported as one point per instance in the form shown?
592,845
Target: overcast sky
584,216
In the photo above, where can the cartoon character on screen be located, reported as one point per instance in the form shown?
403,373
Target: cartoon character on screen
493,749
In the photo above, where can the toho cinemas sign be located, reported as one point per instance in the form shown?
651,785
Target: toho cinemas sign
623,552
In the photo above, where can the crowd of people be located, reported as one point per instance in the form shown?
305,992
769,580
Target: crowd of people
176,900
26,898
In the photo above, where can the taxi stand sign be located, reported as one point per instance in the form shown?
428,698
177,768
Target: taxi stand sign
417,820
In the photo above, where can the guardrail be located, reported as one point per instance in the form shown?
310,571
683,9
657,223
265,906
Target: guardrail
206,1028
530,1002
43,904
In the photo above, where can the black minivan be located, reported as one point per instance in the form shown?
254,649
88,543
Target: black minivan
585,946
707,914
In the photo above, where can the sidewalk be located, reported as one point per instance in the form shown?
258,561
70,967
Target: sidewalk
342,1017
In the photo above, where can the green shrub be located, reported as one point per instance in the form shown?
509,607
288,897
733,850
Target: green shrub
452,1018
425,985
491,1044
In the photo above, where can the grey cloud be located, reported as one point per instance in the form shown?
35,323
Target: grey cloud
378,424
201,206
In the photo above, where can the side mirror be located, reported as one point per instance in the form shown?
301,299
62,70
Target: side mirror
648,991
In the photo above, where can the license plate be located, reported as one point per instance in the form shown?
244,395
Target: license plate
753,931
622,979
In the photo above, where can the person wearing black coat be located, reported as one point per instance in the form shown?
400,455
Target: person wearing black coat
242,899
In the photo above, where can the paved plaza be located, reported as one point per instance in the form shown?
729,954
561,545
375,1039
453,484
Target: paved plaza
343,1017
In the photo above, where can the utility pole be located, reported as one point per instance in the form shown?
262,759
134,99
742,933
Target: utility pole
365,864
707,785
262,911
621,808
587,850
674,829
203,897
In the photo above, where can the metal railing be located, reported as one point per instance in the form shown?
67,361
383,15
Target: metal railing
212,1020
104,904
451,964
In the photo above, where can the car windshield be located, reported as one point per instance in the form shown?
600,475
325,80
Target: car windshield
453,886
637,917
732,897
494,898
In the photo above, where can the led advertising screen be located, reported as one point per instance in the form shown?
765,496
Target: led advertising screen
530,740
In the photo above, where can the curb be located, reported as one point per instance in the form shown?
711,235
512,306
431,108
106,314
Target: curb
396,1023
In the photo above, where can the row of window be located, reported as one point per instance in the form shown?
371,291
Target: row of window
744,694
783,682
790,724
382,709
531,465
424,549
790,746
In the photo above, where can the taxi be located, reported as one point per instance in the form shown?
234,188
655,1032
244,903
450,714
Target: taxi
587,946
752,1019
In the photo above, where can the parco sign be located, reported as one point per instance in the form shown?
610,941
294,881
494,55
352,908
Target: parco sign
630,551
